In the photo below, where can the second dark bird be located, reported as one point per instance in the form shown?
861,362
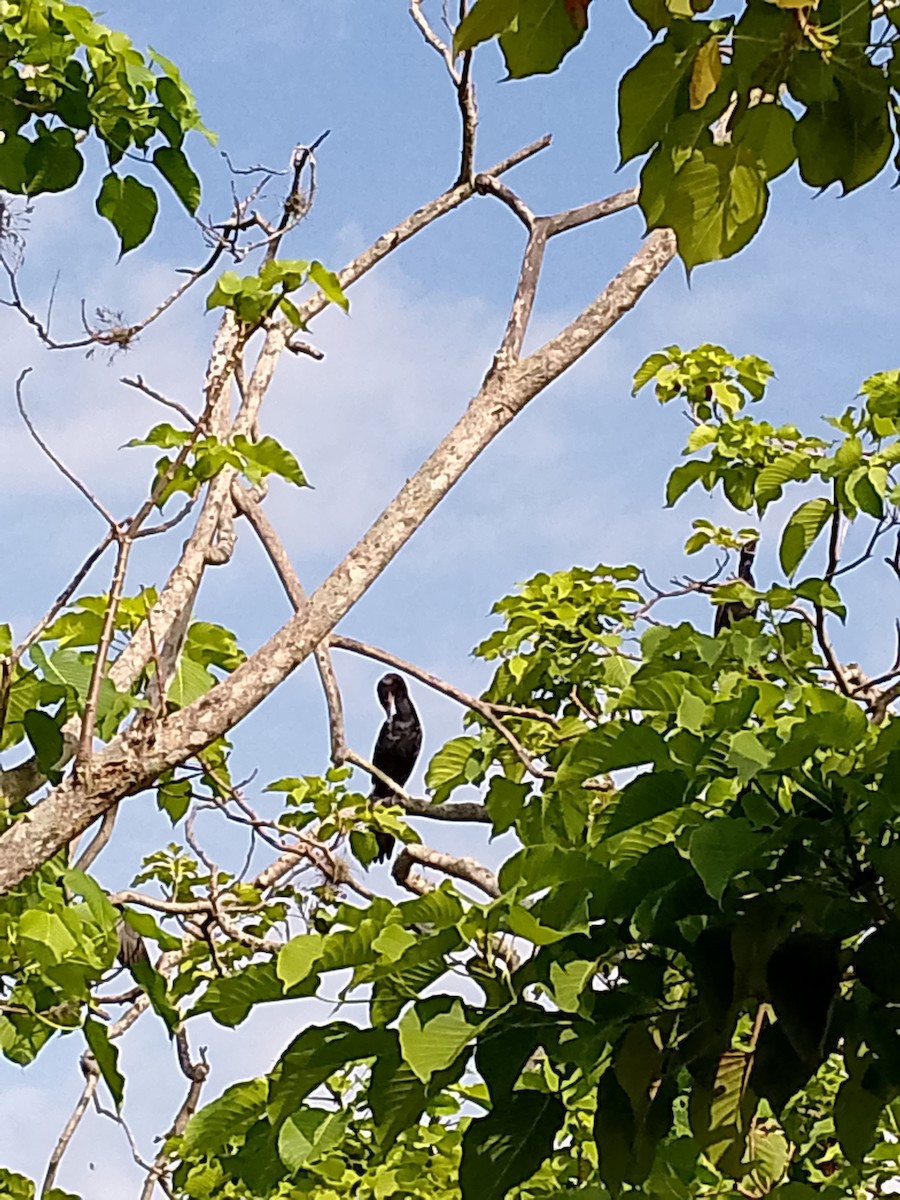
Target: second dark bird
727,614
396,749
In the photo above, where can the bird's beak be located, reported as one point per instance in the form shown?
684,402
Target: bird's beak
390,707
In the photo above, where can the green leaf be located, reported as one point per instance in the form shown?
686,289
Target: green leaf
721,1109
309,1135
313,1056
49,931
610,748
713,196
226,1118
329,284
504,801
46,739
647,98
144,973
177,171
717,848
847,140
397,1097
768,130
705,73
804,526
485,19
506,1147
104,913
447,769
433,1033
13,172
644,798
107,1057
876,961
543,34
272,459
614,1132
856,1115
297,958
52,163
173,797
130,207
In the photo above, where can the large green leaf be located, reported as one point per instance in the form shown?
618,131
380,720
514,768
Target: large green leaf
107,1057
226,1118
313,1056
647,98
434,1032
803,527
506,1147
717,848
130,207
175,168
484,20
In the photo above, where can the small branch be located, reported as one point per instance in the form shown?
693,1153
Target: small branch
466,869
828,653
284,568
60,466
99,841
834,540
98,672
412,225
573,217
138,384
91,1079
462,83
487,185
523,301
482,707
63,598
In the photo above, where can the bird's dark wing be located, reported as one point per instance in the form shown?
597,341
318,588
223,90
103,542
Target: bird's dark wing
395,754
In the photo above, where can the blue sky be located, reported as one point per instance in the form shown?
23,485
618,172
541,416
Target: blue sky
578,478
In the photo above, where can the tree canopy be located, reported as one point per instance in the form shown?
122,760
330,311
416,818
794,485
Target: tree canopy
721,105
680,982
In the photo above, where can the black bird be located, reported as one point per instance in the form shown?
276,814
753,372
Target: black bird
727,614
396,749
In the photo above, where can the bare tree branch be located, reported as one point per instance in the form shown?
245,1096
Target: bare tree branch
467,869
91,1079
138,756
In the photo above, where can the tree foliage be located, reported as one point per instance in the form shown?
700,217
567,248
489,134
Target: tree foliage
720,106
64,76
681,982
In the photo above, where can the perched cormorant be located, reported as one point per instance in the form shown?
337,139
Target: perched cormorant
396,749
727,614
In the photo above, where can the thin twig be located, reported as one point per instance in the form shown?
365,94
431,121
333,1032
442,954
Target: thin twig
91,1079
63,598
139,385
57,462
481,707
98,672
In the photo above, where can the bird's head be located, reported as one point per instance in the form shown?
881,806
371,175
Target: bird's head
390,688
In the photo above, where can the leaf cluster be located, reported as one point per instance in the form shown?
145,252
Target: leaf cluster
64,76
